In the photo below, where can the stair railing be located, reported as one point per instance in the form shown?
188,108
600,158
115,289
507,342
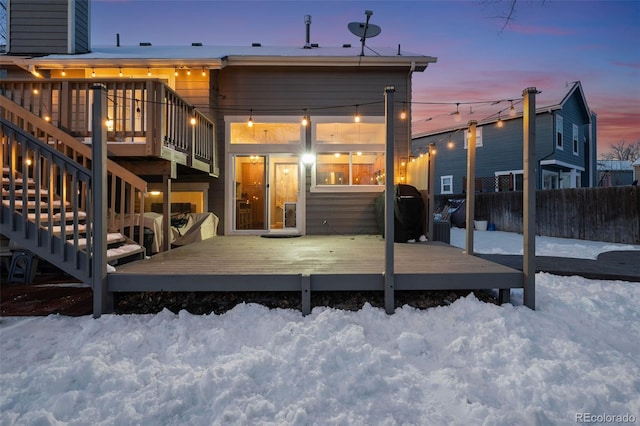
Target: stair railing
65,183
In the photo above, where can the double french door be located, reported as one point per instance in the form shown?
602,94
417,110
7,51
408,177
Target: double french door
267,193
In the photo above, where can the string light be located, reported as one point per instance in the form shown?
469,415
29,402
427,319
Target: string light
204,73
305,119
250,122
456,115
188,71
175,72
120,72
93,72
403,113
450,143
499,123
149,71
64,73
512,110
357,117
193,121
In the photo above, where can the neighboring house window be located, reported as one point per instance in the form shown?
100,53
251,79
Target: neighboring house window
446,184
549,180
559,132
575,140
348,154
478,137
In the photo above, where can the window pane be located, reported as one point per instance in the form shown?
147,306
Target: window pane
350,133
265,133
332,169
368,168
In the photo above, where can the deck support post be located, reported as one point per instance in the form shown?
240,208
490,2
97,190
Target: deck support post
305,284
166,212
431,198
504,296
389,214
529,197
471,186
102,300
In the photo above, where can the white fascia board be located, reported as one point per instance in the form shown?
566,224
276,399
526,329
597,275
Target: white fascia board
561,164
418,63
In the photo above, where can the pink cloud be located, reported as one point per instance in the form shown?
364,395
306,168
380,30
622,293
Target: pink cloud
632,65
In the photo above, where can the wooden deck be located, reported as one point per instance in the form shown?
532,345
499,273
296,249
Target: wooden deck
310,263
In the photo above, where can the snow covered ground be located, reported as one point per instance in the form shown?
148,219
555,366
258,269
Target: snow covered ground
575,359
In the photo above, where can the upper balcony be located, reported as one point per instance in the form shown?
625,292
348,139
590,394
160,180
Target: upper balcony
146,118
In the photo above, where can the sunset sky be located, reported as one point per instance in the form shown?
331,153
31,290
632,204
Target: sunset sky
547,45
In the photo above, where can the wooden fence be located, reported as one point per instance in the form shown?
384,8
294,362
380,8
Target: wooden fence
597,214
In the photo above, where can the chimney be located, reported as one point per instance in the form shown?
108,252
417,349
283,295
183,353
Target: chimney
307,21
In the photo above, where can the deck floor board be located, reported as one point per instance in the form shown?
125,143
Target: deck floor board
213,263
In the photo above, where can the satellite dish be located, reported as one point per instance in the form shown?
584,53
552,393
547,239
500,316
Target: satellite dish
358,29
364,30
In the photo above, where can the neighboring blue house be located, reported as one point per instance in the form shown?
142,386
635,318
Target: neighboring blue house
565,149
615,173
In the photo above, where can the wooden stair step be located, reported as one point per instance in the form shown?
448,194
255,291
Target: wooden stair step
57,229
30,192
33,204
112,239
18,181
125,251
44,217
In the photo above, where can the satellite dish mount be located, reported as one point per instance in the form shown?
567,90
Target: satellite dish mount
364,30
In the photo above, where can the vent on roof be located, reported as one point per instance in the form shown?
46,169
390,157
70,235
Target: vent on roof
196,44
256,45
346,45
145,43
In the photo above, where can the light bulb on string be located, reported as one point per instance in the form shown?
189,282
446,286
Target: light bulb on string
357,116
93,72
512,110
456,115
175,72
204,73
250,122
305,119
450,143
120,71
403,113
499,123
149,71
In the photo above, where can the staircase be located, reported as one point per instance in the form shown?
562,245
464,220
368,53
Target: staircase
47,194
120,249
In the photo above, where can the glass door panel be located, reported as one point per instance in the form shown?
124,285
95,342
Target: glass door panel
251,192
284,191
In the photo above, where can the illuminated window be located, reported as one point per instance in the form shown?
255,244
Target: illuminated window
266,132
348,154
350,168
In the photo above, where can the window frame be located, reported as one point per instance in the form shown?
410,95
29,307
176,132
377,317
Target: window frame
479,142
442,184
559,139
324,148
576,137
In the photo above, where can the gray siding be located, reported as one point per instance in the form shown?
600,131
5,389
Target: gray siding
267,89
41,26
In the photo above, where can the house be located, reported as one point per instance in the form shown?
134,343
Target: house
636,170
223,129
615,173
565,148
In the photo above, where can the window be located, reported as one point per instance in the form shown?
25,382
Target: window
511,180
575,140
446,184
559,131
348,154
478,137
350,168
266,131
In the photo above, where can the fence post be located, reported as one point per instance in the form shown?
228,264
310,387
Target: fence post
102,302
529,197
471,185
389,214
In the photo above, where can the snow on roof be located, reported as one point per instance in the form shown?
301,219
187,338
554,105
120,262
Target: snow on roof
149,53
636,163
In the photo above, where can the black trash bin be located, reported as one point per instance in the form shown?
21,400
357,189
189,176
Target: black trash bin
408,207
